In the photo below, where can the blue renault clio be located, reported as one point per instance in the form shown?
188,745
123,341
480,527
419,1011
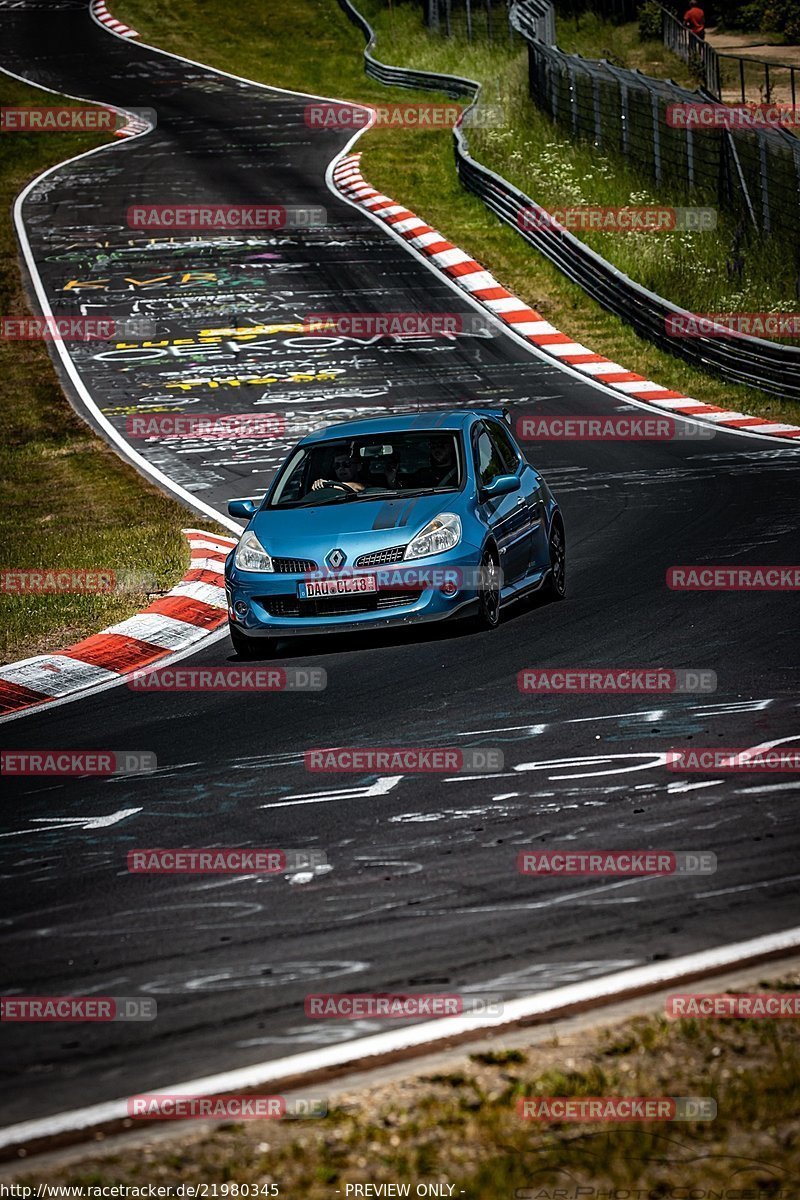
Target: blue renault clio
390,521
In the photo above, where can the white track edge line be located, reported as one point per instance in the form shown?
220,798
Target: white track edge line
652,976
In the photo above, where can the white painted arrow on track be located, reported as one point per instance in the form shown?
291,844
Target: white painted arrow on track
48,824
379,788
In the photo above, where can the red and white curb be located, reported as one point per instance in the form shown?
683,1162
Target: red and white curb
100,13
471,277
133,127
184,616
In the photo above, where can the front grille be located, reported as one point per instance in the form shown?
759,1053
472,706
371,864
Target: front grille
379,558
293,566
287,605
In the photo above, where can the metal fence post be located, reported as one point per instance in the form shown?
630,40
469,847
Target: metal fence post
573,97
553,82
656,137
763,171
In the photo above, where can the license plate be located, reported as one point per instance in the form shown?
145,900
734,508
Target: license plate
344,586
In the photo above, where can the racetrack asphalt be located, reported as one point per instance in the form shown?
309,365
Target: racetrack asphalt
423,892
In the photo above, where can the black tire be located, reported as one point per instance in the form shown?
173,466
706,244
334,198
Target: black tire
247,647
556,587
488,616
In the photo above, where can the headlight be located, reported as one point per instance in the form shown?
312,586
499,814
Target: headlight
440,534
250,554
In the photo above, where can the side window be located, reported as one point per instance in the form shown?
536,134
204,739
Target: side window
505,448
488,463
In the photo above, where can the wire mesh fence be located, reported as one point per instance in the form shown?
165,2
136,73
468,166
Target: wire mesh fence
671,134
482,19
622,119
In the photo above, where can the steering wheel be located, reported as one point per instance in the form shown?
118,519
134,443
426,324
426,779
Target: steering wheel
335,483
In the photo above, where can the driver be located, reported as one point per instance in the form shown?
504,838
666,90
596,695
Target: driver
346,471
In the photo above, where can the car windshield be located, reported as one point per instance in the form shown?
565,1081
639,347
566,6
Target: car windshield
370,468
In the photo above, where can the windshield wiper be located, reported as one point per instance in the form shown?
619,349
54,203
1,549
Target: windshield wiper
399,495
314,500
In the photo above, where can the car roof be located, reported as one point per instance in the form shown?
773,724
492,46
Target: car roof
430,422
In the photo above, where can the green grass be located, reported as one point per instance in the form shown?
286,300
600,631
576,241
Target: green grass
592,36
66,500
690,269
461,1126
417,166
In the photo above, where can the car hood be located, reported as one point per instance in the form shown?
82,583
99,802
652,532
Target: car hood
350,524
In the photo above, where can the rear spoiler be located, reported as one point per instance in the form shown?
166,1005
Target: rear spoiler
499,414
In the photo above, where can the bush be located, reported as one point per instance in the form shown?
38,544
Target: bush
649,22
782,16
776,16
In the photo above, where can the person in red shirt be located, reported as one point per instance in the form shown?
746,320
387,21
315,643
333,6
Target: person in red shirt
695,21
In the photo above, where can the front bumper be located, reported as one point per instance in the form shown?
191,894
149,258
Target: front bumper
262,604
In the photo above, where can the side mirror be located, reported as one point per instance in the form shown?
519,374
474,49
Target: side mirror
501,485
242,508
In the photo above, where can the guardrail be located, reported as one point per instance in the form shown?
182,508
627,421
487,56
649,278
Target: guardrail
755,362
428,81
538,21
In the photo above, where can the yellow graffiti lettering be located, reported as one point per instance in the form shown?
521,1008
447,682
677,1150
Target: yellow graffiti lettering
252,330
76,285
147,282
